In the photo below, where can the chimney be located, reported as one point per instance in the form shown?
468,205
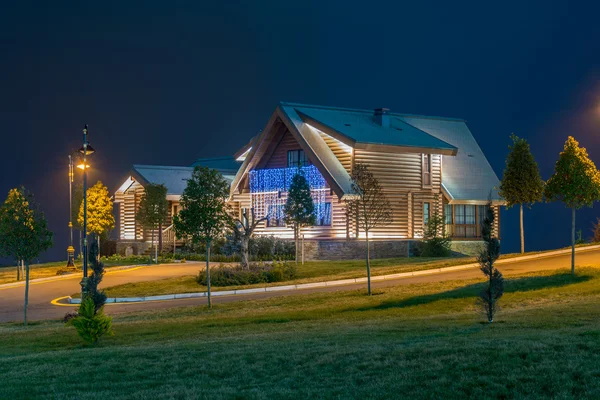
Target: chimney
381,117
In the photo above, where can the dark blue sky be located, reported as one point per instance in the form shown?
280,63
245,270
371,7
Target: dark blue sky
167,82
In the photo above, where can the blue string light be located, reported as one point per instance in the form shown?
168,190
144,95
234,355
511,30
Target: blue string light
279,180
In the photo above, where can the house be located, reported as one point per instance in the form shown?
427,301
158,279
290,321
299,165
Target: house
127,198
424,164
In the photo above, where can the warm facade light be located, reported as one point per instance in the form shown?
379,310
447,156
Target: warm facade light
80,166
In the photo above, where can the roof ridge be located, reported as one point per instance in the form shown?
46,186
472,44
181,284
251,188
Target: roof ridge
369,111
148,166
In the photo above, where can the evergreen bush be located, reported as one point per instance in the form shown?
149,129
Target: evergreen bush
91,324
278,271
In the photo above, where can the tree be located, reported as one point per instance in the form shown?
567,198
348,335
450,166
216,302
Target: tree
204,214
371,204
489,296
153,210
23,232
99,211
299,207
575,182
521,183
242,232
436,243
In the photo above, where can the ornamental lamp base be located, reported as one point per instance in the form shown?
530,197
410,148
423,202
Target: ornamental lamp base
70,256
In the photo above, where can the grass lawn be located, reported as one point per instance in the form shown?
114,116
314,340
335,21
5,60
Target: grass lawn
311,271
418,341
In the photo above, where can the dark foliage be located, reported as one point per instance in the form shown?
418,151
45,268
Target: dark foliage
436,243
70,315
278,271
489,296
91,287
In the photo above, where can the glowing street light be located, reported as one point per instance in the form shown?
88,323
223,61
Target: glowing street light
85,150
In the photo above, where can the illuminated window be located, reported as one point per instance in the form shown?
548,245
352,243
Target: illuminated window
448,214
297,158
426,213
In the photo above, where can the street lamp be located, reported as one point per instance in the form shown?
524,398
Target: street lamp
85,150
70,249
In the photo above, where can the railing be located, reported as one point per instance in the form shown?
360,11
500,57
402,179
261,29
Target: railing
169,239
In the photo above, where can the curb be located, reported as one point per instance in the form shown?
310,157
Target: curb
329,283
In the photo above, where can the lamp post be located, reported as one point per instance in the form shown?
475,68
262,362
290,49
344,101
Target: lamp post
71,249
86,150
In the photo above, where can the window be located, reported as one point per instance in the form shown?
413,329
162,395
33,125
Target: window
323,214
465,224
275,215
426,213
448,214
297,158
426,161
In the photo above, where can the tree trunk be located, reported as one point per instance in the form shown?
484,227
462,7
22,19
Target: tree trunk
522,230
208,272
98,241
160,237
156,247
152,244
26,293
368,264
244,251
573,242
296,241
19,270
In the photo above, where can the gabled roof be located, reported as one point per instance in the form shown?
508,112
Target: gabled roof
310,141
356,127
225,165
174,178
468,175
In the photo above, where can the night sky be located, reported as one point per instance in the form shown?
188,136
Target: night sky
166,83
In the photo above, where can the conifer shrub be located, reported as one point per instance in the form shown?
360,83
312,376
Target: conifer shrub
91,324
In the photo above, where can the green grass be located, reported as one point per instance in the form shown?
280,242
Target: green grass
312,271
417,341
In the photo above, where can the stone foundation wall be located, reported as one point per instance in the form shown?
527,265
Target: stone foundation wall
131,247
467,247
355,249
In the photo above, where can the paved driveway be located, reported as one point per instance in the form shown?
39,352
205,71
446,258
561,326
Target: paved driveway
11,300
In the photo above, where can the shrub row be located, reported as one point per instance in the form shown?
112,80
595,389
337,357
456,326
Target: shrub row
278,271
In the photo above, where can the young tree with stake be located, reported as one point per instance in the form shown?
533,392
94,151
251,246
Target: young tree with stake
371,204
153,210
575,182
521,183
204,214
100,217
299,207
23,232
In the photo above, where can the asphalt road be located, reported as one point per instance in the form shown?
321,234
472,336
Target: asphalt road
42,293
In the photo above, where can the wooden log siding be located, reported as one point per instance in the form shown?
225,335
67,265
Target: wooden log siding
401,177
342,151
129,202
280,155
